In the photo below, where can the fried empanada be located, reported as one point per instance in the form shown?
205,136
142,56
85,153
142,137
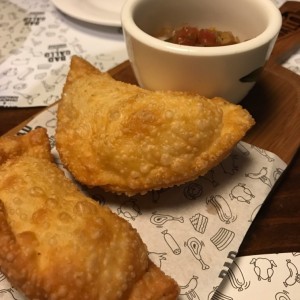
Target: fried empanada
129,140
56,243
35,143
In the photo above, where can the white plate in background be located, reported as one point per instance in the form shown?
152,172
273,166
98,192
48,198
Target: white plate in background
102,12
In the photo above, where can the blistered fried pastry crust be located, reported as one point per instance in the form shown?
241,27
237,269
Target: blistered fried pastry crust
56,243
130,140
35,143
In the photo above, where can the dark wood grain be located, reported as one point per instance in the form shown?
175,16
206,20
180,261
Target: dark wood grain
276,228
274,102
10,118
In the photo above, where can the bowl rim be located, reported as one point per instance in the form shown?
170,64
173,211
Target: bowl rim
271,32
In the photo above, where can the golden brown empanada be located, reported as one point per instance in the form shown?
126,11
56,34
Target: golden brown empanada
36,144
56,243
130,140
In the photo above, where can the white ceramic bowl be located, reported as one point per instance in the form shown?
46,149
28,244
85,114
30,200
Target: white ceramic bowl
226,71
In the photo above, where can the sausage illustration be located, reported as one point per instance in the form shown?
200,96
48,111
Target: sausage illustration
171,242
222,208
236,277
294,274
189,289
261,175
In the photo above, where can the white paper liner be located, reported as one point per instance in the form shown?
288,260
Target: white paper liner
271,276
36,41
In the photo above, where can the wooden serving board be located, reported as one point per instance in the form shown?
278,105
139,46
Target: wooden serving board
274,102
275,105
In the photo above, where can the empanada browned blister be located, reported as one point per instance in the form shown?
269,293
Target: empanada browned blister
56,243
129,140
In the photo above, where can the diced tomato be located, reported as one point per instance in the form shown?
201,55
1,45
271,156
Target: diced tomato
207,37
192,36
186,36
